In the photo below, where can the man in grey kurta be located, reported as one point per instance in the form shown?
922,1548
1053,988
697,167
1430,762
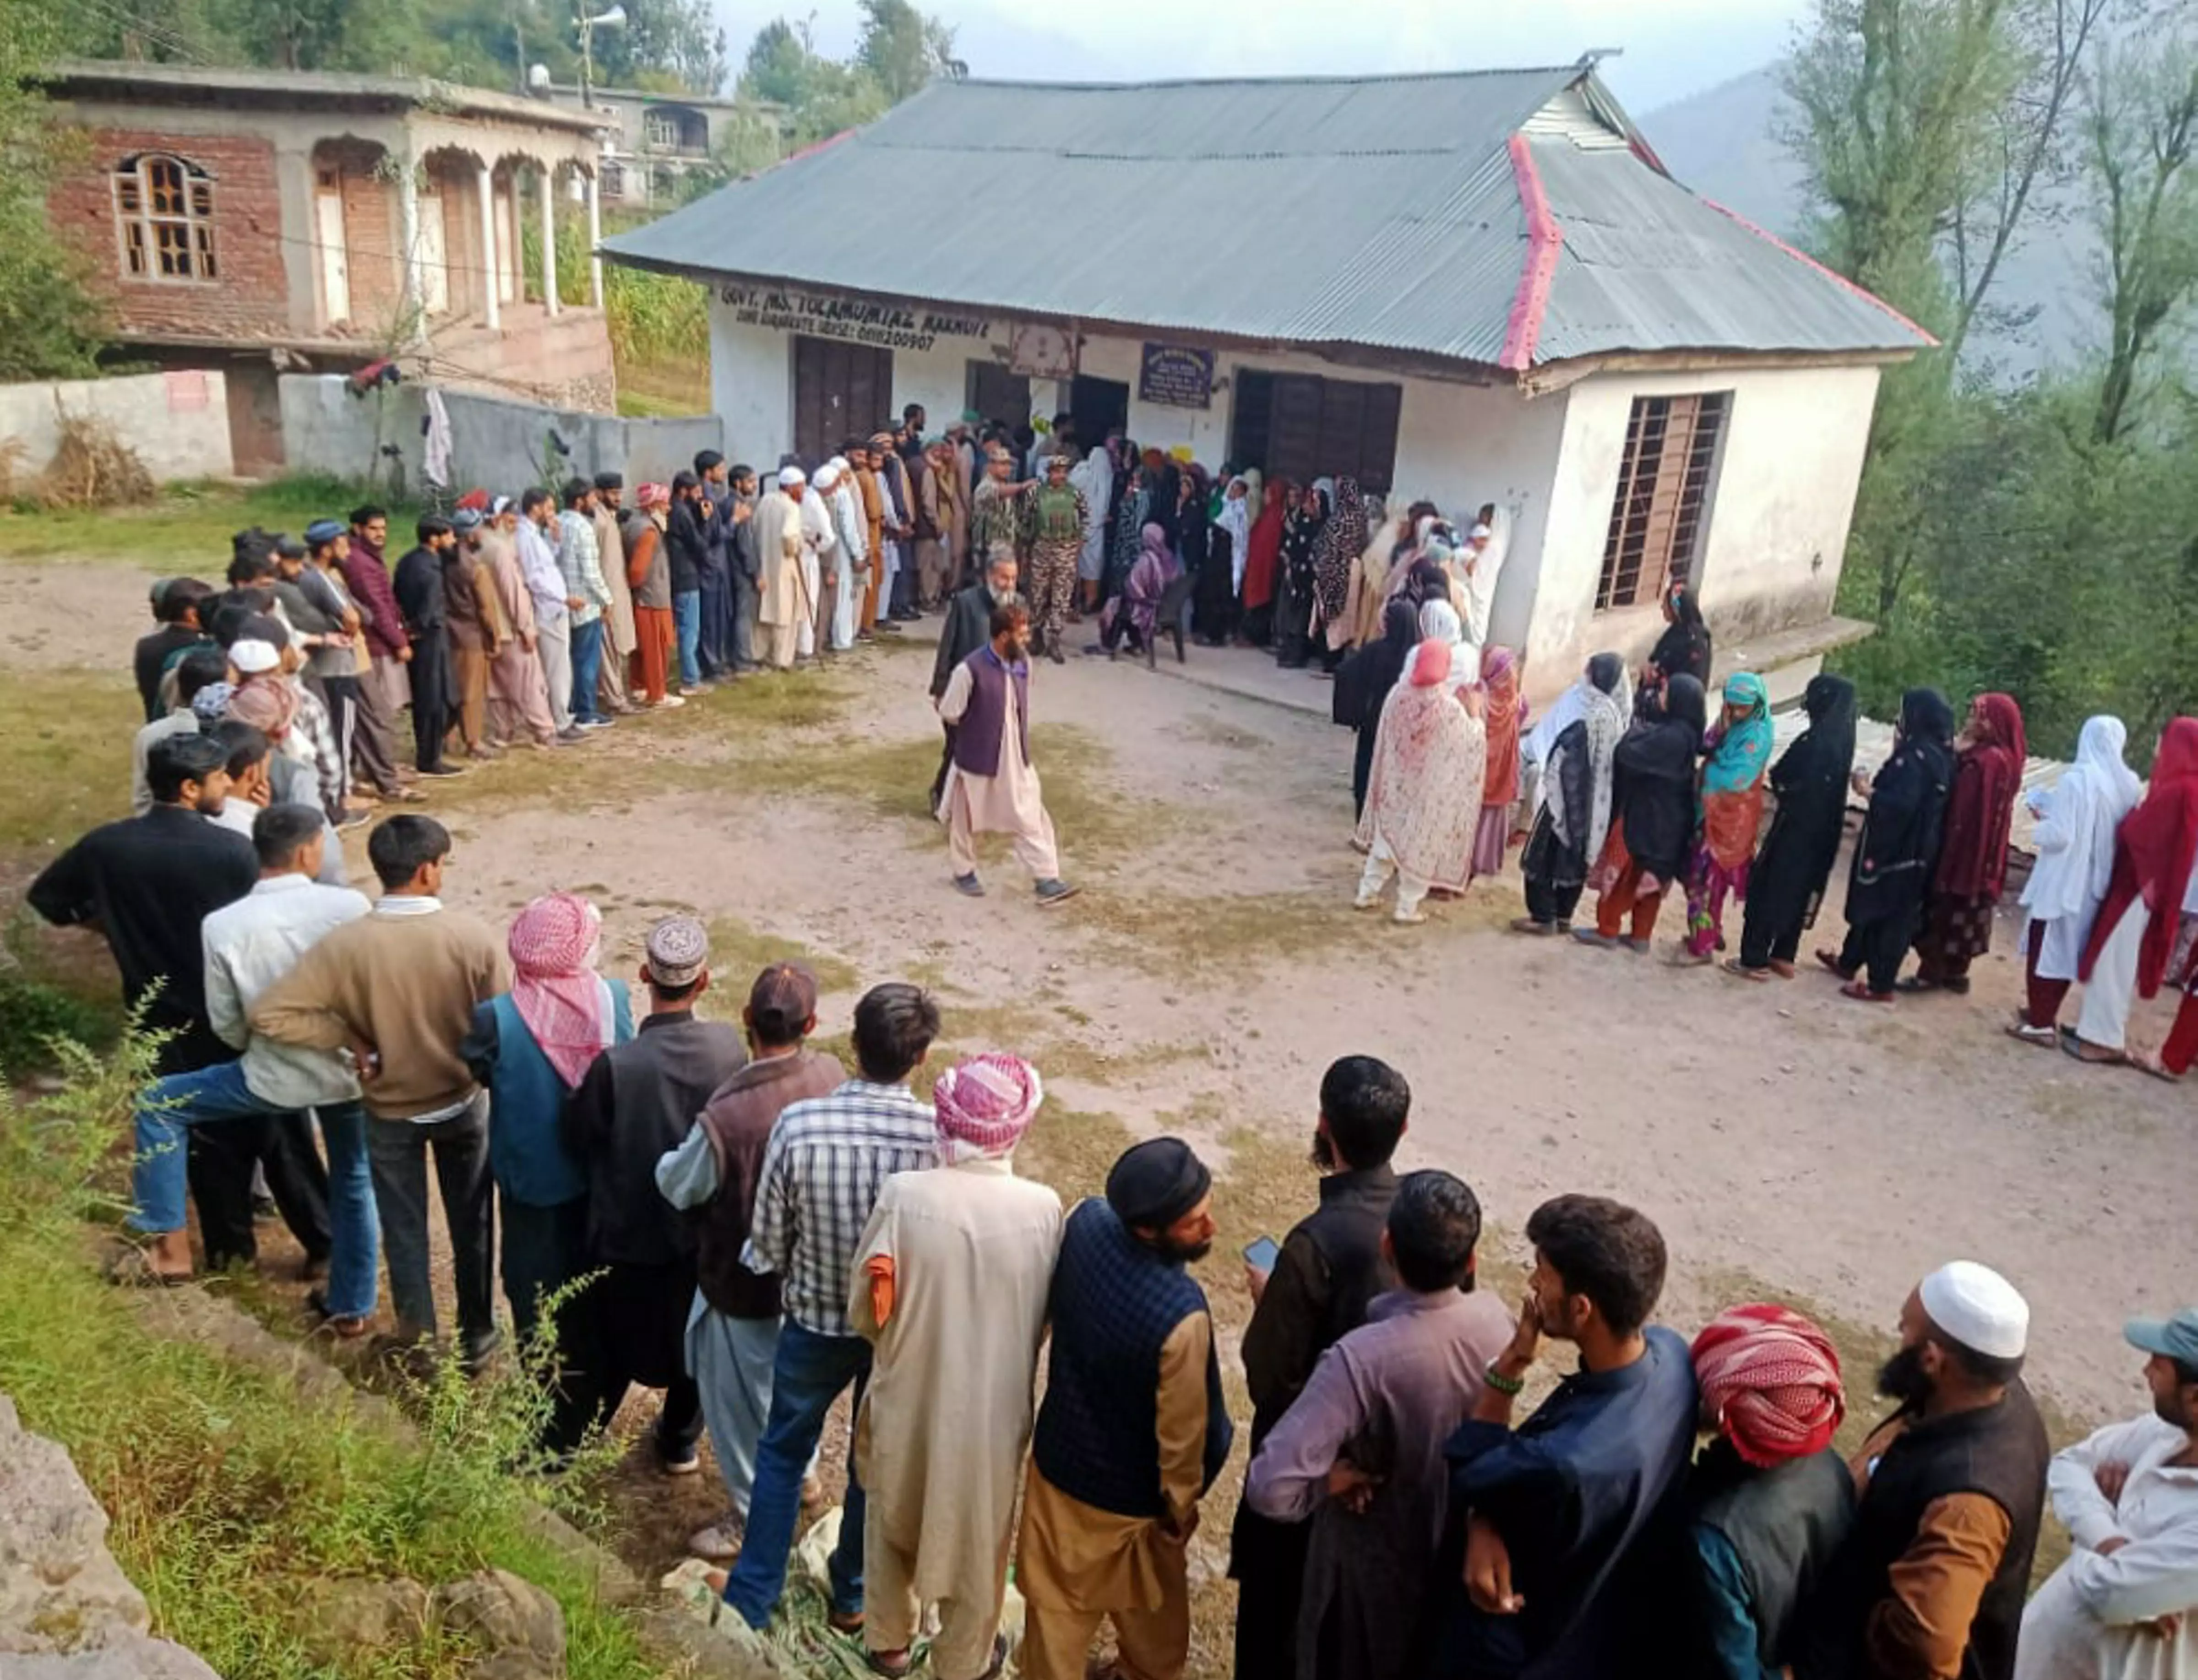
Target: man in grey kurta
1360,1452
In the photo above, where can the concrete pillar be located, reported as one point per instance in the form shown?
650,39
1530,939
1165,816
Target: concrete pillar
595,240
546,177
413,280
491,269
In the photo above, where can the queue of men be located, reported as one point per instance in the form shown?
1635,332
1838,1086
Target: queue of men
763,1231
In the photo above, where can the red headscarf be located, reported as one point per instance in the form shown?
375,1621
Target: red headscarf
1507,713
1263,551
1987,775
2153,858
1771,1379
554,988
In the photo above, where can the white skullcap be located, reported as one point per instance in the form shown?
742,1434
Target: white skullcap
790,476
253,656
1977,1307
828,474
1478,532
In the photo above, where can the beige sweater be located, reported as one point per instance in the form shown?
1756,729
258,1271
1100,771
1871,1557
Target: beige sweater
404,983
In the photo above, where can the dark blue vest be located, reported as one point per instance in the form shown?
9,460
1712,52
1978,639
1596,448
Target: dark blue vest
1114,1302
977,736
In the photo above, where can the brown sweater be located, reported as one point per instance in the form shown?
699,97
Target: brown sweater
406,984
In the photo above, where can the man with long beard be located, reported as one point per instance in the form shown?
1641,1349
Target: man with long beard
1930,1579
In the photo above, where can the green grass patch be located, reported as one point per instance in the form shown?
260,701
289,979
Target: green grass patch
186,529
739,952
65,753
233,1495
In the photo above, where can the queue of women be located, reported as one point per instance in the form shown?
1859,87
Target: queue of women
1638,794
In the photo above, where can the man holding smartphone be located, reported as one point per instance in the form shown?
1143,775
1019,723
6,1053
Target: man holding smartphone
1307,1295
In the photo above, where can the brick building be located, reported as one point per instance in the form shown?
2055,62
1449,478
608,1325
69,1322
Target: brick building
261,222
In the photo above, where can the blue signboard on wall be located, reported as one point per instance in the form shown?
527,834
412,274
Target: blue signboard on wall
1177,375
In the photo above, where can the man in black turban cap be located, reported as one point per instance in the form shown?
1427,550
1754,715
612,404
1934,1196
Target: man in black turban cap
1132,1430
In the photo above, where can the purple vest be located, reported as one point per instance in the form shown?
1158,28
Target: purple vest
977,736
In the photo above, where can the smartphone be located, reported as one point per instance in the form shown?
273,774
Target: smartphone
1262,1254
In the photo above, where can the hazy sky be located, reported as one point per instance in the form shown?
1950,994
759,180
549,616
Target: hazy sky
1672,48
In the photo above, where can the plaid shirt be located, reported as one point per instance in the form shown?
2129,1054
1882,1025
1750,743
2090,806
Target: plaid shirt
579,557
822,1169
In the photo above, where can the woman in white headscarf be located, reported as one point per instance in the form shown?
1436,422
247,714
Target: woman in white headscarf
1423,796
1440,622
1575,744
2074,840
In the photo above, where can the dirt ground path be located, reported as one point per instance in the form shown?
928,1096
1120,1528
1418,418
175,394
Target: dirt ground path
1788,1143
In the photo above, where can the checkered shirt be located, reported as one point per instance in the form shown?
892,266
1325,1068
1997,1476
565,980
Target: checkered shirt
822,1169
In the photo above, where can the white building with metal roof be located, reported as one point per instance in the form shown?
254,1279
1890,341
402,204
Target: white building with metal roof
1470,287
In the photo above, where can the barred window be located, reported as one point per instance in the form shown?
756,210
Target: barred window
1665,485
163,214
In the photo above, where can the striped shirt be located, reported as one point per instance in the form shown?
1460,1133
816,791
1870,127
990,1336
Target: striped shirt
822,1169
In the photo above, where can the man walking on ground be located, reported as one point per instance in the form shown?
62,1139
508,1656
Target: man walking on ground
366,577
580,564
397,988
744,577
619,634
426,622
1563,1541
968,627
1331,1265
1357,1460
715,607
1133,1429
517,695
732,1330
148,884
2125,1602
537,536
636,1101
991,787
1933,1575
827,1160
785,550
249,945
952,1294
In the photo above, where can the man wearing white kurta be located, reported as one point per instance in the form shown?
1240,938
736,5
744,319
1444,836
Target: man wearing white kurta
786,557
991,787
951,1290
2124,1606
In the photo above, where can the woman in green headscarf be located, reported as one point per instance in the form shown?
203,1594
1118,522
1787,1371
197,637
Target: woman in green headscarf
1731,812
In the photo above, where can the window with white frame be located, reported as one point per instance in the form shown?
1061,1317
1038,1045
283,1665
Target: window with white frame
163,216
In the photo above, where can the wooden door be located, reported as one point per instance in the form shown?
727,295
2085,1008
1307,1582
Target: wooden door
335,253
840,391
997,394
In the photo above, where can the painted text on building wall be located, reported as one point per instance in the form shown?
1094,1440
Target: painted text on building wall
825,316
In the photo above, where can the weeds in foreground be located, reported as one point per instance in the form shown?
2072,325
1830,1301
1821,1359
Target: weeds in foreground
234,1496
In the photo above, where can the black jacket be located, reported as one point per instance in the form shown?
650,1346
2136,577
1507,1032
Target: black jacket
638,1101
968,627
686,541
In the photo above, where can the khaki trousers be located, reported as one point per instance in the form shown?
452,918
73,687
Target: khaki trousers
1154,1644
783,642
890,1614
469,676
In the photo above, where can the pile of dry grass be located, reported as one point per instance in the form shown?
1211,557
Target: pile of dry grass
91,468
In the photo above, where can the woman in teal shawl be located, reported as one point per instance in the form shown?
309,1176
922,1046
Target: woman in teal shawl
1731,811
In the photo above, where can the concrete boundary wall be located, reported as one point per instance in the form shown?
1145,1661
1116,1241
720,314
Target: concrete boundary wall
177,422
501,446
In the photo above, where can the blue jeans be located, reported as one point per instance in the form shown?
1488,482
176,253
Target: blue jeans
687,621
587,669
807,1375
218,1092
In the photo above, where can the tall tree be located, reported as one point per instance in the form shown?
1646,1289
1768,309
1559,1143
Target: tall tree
2142,120
902,49
49,324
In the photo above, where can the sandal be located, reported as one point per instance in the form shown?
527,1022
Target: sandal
1732,966
1860,992
2092,1055
2149,1061
2045,1037
132,1269
893,1665
849,1623
1834,963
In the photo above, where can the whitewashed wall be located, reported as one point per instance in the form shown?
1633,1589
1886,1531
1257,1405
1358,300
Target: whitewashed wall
1779,514
177,422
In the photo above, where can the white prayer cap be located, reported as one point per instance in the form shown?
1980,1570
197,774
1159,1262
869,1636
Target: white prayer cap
1977,1307
828,474
790,476
1480,533
253,657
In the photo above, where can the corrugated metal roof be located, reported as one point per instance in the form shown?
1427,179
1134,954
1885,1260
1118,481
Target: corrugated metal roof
286,89
1381,212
